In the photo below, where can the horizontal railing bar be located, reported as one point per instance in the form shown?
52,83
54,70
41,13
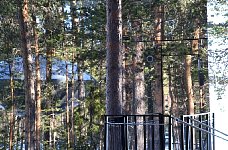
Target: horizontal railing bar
149,115
138,123
179,120
201,114
209,126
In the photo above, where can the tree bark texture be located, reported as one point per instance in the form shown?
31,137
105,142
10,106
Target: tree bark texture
12,116
159,31
139,84
114,70
188,75
114,58
28,75
37,84
158,85
48,90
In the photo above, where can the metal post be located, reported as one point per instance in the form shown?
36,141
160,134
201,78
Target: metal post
126,132
213,126
200,134
208,134
152,130
162,88
192,134
144,131
187,135
122,129
182,134
105,134
135,127
161,131
170,132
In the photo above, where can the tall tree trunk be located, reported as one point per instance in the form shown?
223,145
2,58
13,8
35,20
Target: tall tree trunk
28,74
114,57
139,84
174,109
159,31
74,28
72,137
188,75
38,84
127,83
114,68
67,109
12,117
73,5
48,99
188,78
158,85
81,96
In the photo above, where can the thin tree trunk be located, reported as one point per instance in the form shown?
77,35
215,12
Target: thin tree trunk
174,109
67,109
72,103
12,117
188,76
48,99
38,84
124,100
73,5
28,75
81,96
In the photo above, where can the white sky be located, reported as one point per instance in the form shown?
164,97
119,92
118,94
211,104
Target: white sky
217,68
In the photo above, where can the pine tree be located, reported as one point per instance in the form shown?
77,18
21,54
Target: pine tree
25,28
114,60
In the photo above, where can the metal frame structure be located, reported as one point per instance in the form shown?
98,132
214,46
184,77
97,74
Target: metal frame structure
197,132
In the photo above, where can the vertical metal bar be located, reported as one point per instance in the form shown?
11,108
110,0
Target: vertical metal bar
187,135
122,129
135,127
152,130
200,134
105,134
170,132
182,134
192,136
208,135
161,131
213,126
144,130
126,132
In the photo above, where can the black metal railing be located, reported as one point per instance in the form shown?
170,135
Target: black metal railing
161,132
124,132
